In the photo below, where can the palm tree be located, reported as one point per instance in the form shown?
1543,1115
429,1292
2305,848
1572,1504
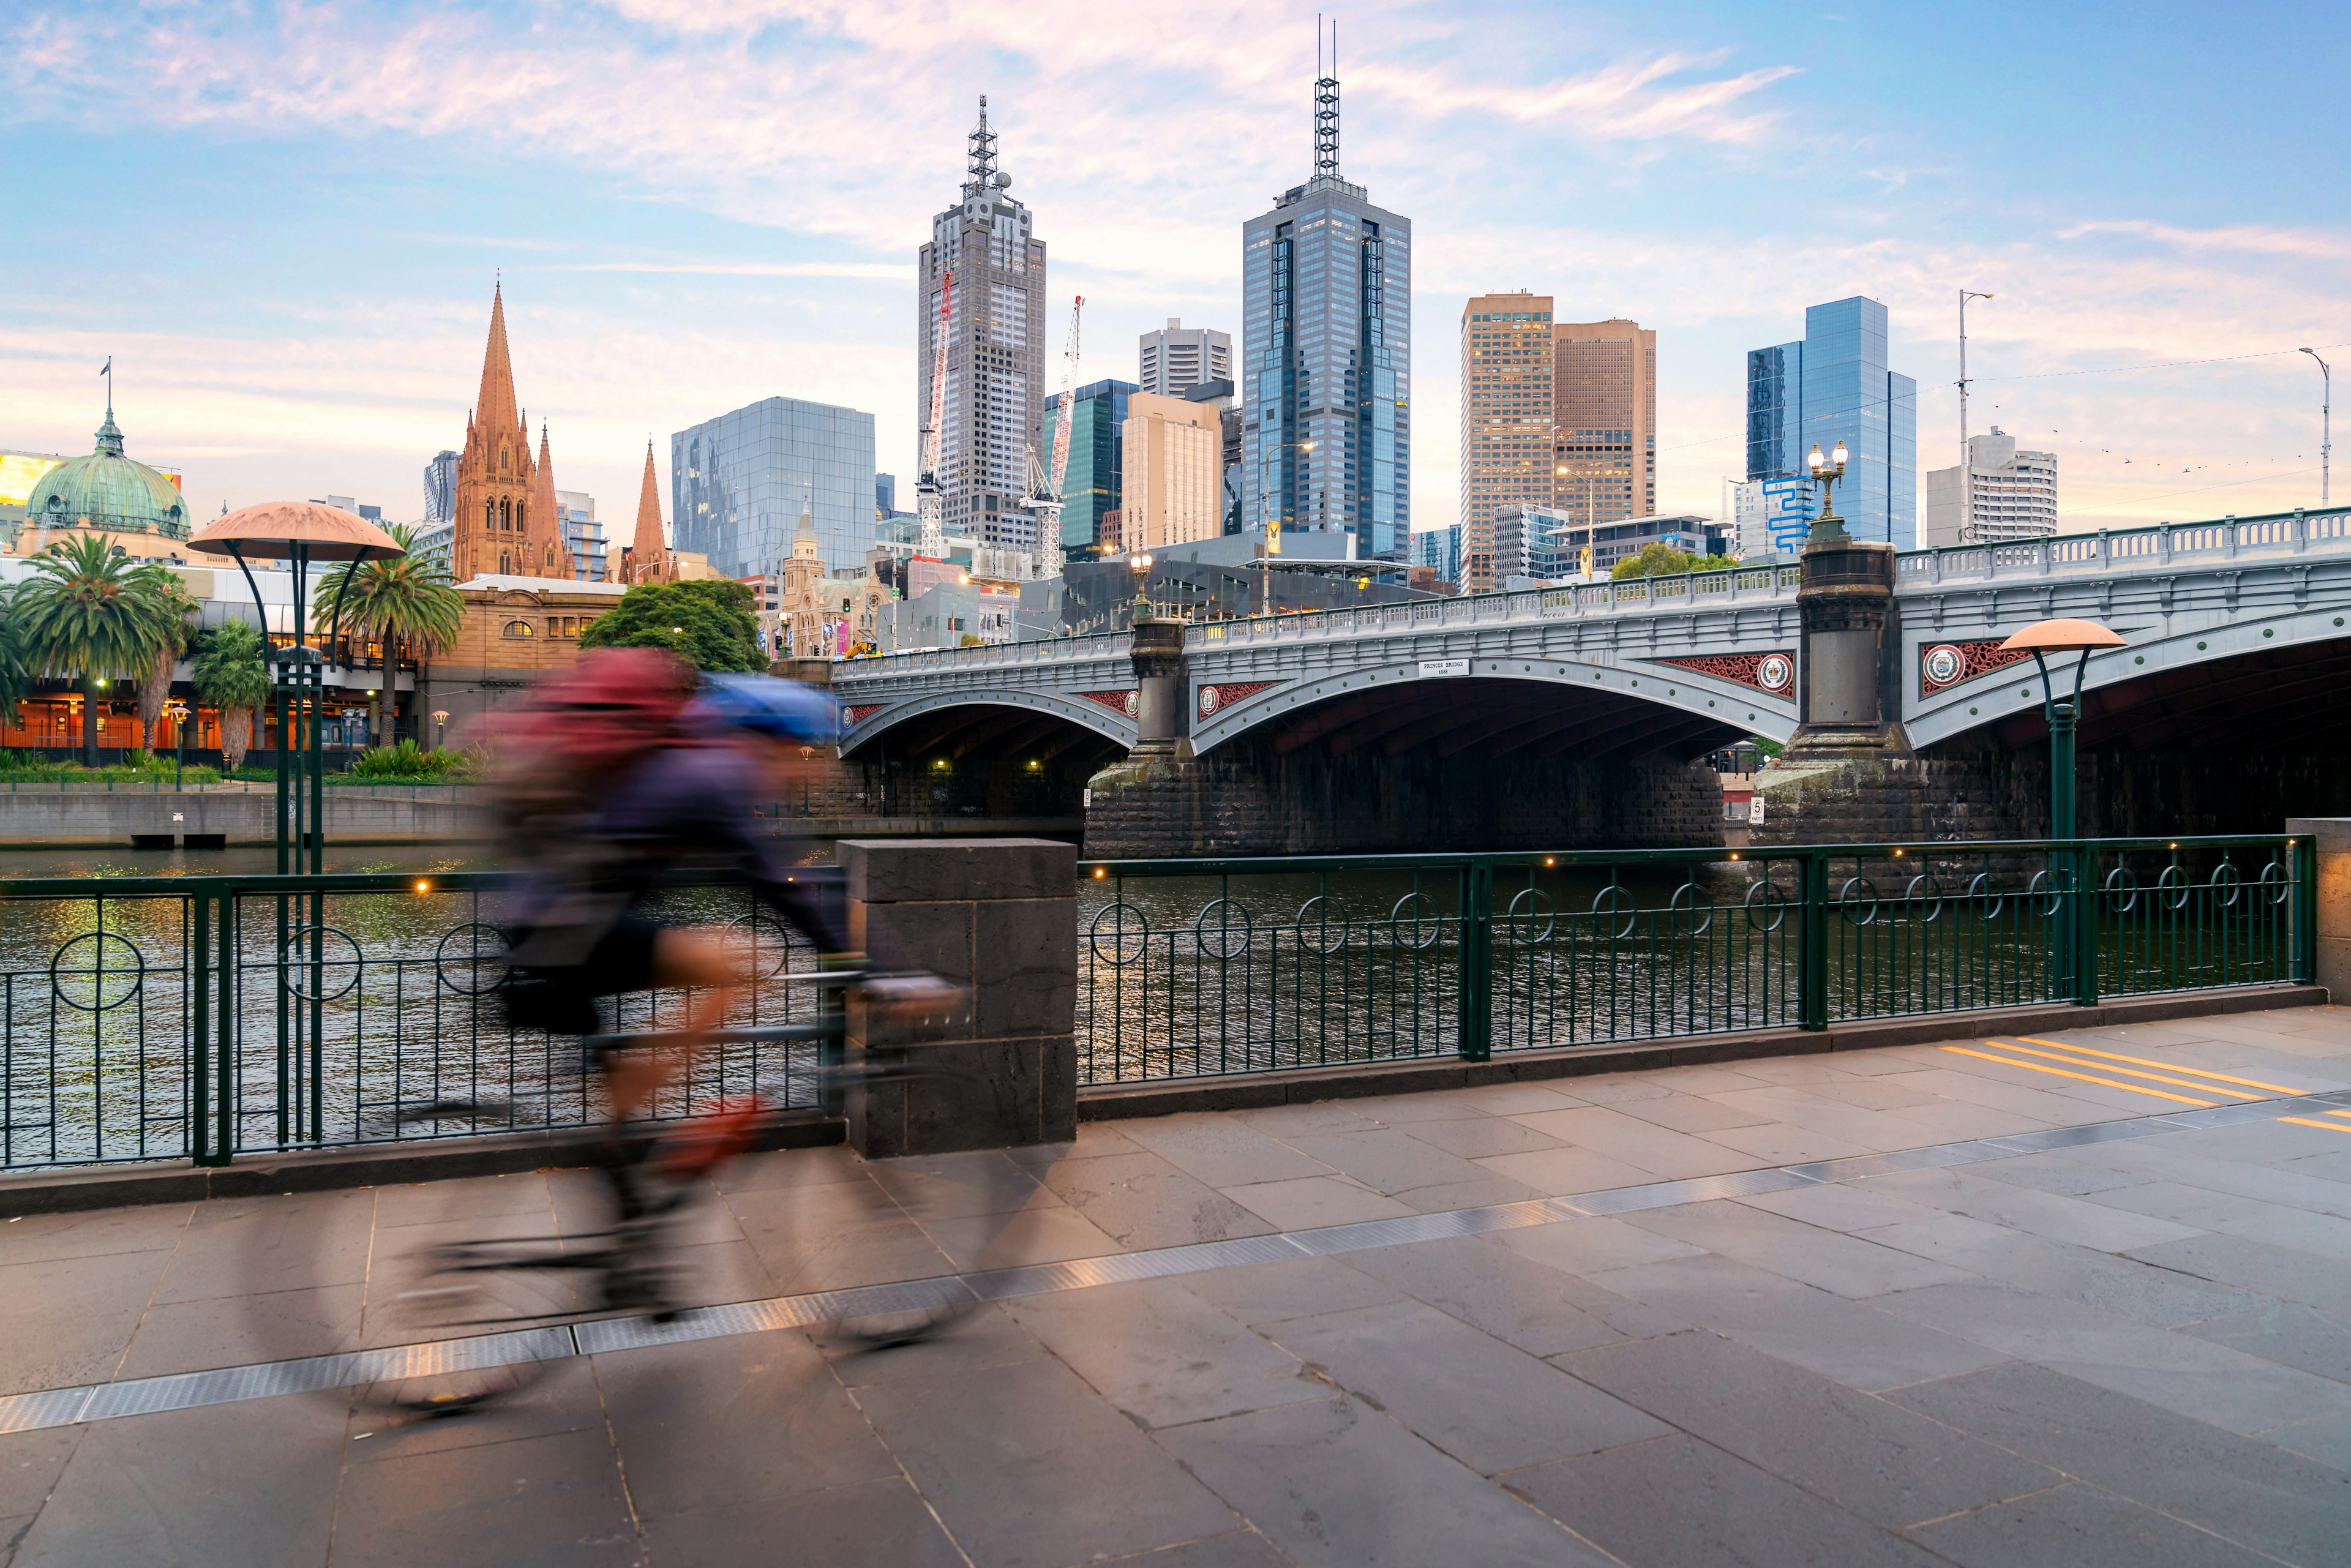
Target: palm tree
15,658
231,677
406,598
155,681
91,613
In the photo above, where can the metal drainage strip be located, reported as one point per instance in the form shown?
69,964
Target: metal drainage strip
187,1390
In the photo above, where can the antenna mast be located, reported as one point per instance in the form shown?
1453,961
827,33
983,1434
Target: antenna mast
1326,104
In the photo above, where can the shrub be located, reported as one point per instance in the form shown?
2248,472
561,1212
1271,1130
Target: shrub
409,760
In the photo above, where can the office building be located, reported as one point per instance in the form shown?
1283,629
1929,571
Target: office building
1326,375
1612,542
1999,495
1439,550
994,409
1834,385
1218,394
738,482
885,495
440,489
1506,418
1175,358
1533,544
1092,484
1605,418
1749,535
576,510
1174,479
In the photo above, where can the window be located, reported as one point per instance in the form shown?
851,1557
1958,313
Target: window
520,629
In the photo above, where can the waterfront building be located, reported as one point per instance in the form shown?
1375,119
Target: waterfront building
1177,358
1173,461
1326,358
498,528
739,481
138,509
1834,385
2000,494
993,407
1095,479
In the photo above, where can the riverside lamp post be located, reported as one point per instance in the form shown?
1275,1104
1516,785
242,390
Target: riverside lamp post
2041,639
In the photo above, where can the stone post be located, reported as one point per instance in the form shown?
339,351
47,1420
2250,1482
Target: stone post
2331,836
1162,696
1845,602
997,917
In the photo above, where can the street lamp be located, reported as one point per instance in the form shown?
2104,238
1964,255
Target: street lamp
2325,422
1139,563
1828,528
176,711
440,727
2040,640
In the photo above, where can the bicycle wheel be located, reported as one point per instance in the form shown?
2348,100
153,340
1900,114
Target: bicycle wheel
456,1324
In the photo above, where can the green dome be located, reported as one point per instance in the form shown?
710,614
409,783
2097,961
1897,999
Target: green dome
108,490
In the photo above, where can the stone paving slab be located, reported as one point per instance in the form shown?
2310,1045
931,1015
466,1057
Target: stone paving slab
2060,1346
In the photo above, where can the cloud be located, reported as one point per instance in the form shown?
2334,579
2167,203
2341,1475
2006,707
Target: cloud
2314,244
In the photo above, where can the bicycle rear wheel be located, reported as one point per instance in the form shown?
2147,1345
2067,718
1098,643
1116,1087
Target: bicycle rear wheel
457,1324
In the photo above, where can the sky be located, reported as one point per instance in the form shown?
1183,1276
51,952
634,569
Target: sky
284,221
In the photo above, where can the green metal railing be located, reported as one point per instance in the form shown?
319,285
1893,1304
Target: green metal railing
209,1017
203,1017
1198,968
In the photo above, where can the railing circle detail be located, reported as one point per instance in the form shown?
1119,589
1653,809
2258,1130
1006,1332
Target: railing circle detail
2227,883
1982,888
293,961
134,973
2277,881
442,958
1858,894
1924,895
1766,906
1118,914
2121,889
1408,917
1693,909
1531,908
1614,900
1225,932
2172,886
752,923
1328,916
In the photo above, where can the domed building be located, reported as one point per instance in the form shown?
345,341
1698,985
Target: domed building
141,509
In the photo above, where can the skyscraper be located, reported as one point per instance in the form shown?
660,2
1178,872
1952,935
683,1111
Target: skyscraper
1175,358
1834,385
738,484
1095,482
1604,408
1326,358
993,407
2000,494
1506,419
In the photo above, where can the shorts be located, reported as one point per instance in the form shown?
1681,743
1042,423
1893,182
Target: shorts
561,999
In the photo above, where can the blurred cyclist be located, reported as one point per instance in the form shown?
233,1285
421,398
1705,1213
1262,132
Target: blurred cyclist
623,771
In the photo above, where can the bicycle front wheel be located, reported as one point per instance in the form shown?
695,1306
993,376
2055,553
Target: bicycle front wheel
456,1324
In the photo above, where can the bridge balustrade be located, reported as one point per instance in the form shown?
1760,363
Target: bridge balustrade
2229,539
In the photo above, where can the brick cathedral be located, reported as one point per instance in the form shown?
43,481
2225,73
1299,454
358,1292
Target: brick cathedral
506,518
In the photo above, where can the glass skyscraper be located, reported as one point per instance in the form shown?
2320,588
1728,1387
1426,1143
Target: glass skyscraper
738,484
1326,358
1094,483
1834,385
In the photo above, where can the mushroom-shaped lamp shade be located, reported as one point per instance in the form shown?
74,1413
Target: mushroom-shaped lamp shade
275,529
2062,637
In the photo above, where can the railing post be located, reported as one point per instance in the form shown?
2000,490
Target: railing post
225,1038
1475,997
1813,944
2301,908
200,1061
2085,925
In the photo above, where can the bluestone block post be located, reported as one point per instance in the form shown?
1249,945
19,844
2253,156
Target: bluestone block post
999,917
2331,899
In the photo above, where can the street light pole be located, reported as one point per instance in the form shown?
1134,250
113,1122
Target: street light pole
2326,423
2040,640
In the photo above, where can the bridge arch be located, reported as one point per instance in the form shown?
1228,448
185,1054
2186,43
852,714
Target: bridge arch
1004,754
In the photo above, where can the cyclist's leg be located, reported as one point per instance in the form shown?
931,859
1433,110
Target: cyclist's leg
702,965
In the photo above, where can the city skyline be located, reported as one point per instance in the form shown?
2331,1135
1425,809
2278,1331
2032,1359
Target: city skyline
333,216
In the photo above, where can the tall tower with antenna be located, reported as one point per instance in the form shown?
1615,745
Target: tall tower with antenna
981,349
1326,358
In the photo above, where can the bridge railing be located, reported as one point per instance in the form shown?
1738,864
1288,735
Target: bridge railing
1193,968
162,1018
2271,535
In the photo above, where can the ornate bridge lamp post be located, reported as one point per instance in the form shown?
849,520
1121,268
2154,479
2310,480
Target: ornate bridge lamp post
1828,528
1844,604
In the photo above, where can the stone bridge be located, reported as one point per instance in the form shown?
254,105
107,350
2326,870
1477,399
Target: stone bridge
1572,713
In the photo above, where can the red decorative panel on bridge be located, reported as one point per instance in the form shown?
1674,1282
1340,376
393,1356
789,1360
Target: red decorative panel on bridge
1227,692
861,712
1126,702
1773,674
1943,665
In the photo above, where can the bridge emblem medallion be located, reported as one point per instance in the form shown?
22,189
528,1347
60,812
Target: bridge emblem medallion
1128,702
859,712
1229,692
1946,665
1773,672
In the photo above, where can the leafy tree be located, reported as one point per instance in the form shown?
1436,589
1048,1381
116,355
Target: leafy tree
15,657
92,614
1655,560
231,677
178,630
708,623
406,598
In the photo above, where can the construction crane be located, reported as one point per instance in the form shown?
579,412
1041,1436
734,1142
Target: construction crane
930,506
1045,487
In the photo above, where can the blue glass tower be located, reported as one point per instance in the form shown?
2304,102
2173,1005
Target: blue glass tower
1326,358
1831,386
1095,482
738,484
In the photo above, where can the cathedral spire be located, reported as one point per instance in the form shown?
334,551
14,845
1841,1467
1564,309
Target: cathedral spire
648,552
548,551
495,409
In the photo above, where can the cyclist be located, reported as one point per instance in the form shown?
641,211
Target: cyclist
627,770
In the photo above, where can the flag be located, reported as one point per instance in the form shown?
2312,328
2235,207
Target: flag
107,367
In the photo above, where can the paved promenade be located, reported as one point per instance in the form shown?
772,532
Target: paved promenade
2083,1299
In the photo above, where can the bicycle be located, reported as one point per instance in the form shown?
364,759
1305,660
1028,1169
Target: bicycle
461,1321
